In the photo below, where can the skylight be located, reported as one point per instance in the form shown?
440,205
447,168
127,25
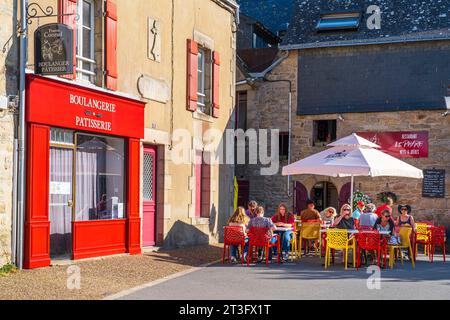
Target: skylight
339,21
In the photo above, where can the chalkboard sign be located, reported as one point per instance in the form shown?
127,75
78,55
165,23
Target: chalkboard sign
433,183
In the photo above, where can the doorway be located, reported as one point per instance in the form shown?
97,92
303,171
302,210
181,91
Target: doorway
325,194
149,197
61,202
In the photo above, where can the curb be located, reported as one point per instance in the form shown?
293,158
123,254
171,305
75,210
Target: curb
159,281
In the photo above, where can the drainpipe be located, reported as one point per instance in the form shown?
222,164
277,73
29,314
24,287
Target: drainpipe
22,135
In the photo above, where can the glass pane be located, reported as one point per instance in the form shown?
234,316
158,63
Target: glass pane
87,43
148,176
100,189
60,202
86,13
63,136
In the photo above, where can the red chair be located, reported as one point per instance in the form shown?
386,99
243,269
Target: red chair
370,240
259,238
233,236
437,239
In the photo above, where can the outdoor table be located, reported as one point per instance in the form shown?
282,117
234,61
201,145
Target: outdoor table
282,229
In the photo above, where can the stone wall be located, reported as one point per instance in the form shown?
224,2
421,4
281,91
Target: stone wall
268,108
8,85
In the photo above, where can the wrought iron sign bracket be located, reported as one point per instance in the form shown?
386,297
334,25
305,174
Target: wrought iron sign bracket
34,8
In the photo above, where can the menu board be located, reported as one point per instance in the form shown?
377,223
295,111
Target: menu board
433,183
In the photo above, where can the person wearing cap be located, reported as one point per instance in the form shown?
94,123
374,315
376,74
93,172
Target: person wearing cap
310,213
405,219
386,206
359,210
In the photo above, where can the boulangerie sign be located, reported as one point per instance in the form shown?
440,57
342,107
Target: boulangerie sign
55,103
400,144
53,49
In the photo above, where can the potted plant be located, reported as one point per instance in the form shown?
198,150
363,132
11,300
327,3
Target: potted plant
360,196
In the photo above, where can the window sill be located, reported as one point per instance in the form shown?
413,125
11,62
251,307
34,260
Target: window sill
202,116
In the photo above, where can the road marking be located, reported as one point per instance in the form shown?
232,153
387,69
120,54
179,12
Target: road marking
159,281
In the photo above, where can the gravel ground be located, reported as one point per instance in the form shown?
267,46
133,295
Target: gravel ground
103,277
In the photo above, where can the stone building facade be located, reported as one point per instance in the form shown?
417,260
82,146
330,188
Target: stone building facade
329,92
8,87
152,58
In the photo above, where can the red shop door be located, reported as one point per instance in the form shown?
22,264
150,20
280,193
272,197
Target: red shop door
149,197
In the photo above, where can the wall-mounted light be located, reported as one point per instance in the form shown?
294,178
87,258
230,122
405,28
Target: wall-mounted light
340,118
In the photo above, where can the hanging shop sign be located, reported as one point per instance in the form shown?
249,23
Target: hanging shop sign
400,144
53,49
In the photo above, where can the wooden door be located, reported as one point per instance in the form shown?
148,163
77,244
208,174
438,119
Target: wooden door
149,197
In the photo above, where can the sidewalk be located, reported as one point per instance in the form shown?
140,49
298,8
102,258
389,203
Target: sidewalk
105,276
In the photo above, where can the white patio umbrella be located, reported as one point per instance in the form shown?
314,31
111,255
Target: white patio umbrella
353,156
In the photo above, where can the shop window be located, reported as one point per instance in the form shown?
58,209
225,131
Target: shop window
100,176
284,145
85,41
324,132
204,80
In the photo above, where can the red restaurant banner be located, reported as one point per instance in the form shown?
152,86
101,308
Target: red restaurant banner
400,144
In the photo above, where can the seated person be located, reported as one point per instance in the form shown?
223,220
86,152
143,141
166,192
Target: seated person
328,215
238,219
405,219
259,221
345,221
385,223
369,217
310,213
284,219
359,210
250,212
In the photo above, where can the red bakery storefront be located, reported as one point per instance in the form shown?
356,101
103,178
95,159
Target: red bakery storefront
83,160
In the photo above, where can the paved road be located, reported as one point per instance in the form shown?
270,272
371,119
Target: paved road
306,279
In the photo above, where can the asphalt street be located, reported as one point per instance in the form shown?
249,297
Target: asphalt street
302,280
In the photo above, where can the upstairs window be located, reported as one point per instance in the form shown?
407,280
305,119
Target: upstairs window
339,21
85,41
204,80
324,132
284,145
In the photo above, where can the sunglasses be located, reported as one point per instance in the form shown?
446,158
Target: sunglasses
404,209
346,210
387,216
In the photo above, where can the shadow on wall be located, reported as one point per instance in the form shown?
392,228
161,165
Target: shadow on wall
184,235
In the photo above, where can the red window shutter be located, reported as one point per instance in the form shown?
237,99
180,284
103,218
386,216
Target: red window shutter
192,75
198,183
68,8
215,84
111,45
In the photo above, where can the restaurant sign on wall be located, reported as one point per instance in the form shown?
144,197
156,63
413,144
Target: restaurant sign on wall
400,144
53,49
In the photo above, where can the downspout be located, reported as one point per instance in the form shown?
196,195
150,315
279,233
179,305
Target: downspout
22,135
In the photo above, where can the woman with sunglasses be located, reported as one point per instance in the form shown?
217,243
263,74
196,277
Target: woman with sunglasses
345,220
385,223
405,219
328,215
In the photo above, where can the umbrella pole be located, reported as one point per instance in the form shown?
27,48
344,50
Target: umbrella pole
351,191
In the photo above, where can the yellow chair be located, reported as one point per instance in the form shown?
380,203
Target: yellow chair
294,244
309,231
422,236
405,239
338,239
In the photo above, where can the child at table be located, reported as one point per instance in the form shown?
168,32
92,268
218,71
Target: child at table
284,219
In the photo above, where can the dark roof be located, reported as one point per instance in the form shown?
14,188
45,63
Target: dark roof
274,14
262,30
401,20
257,60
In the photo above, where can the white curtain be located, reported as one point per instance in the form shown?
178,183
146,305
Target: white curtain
60,195
86,185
